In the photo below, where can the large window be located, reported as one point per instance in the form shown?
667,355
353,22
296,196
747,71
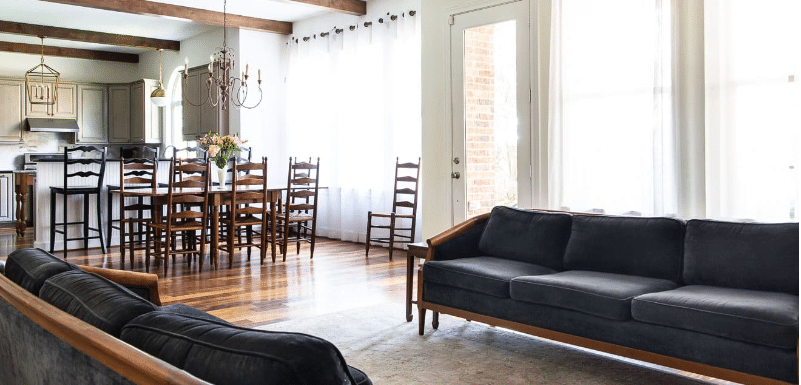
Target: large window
610,122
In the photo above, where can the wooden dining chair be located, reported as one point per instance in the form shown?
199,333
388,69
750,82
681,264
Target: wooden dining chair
249,207
404,207
135,212
112,223
190,154
186,205
299,212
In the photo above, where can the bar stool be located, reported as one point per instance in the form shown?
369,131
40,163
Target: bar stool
142,152
76,160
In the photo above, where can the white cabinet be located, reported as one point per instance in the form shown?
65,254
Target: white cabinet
6,197
12,116
119,109
199,120
92,113
65,107
145,116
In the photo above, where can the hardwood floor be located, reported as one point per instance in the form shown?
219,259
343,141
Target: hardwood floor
249,294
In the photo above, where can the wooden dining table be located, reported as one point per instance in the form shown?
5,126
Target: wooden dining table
218,196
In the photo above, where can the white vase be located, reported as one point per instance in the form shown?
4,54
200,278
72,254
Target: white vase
222,174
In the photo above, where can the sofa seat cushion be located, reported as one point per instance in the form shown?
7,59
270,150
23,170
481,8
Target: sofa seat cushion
222,353
606,295
30,268
765,318
486,275
94,299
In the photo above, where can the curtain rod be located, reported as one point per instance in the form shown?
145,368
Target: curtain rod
366,24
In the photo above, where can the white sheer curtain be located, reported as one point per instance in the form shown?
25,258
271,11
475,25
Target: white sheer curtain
611,137
753,108
353,99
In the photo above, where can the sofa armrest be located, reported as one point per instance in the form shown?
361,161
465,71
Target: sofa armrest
460,241
139,282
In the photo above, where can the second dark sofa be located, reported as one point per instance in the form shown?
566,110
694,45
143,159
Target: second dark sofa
717,298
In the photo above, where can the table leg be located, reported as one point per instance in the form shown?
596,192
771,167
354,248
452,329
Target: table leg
409,281
215,234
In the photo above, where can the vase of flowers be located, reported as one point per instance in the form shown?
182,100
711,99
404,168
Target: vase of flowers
221,149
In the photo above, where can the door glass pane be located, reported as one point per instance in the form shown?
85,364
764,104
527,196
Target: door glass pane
490,102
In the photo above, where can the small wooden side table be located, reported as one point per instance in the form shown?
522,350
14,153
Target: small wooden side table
415,250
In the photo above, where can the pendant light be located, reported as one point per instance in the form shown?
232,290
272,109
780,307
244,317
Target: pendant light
42,83
159,95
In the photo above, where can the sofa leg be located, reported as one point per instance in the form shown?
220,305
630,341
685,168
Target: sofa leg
435,321
421,319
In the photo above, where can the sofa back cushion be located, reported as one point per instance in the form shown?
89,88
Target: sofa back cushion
753,256
647,247
95,300
527,236
30,268
225,354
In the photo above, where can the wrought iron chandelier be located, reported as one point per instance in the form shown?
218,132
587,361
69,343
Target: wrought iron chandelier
221,84
42,83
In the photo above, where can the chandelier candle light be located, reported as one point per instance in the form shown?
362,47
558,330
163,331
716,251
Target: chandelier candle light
221,85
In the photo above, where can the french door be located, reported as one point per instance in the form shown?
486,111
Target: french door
490,101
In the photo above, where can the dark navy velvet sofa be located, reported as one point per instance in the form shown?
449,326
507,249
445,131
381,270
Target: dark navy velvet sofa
710,297
62,324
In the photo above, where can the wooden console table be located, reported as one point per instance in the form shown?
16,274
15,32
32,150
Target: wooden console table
415,250
22,180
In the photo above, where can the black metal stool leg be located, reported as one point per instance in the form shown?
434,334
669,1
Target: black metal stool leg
99,221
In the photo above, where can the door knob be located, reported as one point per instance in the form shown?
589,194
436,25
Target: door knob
455,175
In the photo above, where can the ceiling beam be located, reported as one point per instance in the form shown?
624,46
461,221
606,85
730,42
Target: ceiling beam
202,16
88,36
351,7
69,52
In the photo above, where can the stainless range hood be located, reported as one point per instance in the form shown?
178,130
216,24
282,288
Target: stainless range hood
52,125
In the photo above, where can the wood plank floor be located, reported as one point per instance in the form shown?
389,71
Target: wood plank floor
249,294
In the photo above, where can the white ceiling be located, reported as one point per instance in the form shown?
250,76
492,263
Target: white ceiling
73,17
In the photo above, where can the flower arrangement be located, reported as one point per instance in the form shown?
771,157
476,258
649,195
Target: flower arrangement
220,148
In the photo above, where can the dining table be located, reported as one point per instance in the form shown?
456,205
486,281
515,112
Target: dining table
218,196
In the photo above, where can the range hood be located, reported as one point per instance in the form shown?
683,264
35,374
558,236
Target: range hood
52,125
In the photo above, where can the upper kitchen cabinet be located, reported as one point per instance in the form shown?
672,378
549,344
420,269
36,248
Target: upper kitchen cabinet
12,116
92,113
65,107
145,116
119,111
198,120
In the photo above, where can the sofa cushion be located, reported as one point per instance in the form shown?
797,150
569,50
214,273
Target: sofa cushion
752,256
225,354
648,247
765,318
30,268
527,236
189,311
94,299
486,275
603,294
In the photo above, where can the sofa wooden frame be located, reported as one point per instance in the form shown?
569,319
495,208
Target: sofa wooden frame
637,354
130,362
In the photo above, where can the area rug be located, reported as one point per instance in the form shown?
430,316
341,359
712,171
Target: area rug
379,341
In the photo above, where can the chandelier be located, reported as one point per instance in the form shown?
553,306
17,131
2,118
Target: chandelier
222,86
42,83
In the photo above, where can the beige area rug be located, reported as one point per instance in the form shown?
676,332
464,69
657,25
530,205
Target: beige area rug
379,341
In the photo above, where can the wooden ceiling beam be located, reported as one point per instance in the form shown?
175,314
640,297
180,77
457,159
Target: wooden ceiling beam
88,36
202,16
350,7
69,52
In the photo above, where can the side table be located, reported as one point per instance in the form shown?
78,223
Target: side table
415,250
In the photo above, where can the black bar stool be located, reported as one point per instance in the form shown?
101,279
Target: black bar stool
77,169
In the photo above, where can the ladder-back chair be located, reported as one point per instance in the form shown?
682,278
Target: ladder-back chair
249,207
134,153
188,189
299,212
407,178
135,174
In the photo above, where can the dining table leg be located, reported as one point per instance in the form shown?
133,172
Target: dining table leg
215,235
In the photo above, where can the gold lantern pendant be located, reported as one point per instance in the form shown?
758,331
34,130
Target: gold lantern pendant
42,83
